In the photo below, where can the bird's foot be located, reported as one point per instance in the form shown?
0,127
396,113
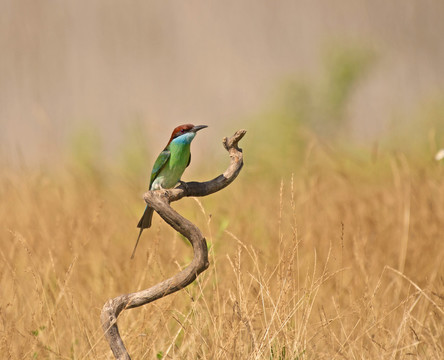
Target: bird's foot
166,193
162,191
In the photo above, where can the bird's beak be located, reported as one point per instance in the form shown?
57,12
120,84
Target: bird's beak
198,127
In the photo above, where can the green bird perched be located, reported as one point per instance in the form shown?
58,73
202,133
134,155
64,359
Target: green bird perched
169,167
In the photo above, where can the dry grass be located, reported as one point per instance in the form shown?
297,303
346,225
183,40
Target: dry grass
331,264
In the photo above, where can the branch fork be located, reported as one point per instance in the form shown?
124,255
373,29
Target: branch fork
160,201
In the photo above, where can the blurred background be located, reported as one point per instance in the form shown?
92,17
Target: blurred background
119,76
330,238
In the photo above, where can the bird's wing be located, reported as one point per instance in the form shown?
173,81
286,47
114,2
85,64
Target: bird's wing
159,164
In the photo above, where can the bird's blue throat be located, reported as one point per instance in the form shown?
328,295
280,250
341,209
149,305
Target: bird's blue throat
185,138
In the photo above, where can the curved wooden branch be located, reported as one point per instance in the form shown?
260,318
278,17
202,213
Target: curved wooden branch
159,200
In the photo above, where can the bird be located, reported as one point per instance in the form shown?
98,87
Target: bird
169,167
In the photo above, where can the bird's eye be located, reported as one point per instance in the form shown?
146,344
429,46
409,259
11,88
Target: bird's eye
182,130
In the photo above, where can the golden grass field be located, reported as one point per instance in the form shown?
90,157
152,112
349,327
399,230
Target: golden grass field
341,260
329,244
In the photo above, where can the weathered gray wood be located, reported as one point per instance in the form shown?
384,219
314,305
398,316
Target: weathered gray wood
160,200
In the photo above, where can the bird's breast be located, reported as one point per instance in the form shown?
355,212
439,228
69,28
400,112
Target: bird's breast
171,173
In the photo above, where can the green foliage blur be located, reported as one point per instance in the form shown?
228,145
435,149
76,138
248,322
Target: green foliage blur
419,134
305,125
307,115
134,160
305,111
85,155
345,68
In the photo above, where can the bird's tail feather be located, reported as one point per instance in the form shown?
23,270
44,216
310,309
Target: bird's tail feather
145,222
137,242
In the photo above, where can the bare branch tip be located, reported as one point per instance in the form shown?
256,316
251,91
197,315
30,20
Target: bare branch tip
233,140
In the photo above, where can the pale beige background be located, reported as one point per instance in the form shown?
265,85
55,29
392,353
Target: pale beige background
162,63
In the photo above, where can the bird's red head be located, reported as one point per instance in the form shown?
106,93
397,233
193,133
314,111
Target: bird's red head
183,129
